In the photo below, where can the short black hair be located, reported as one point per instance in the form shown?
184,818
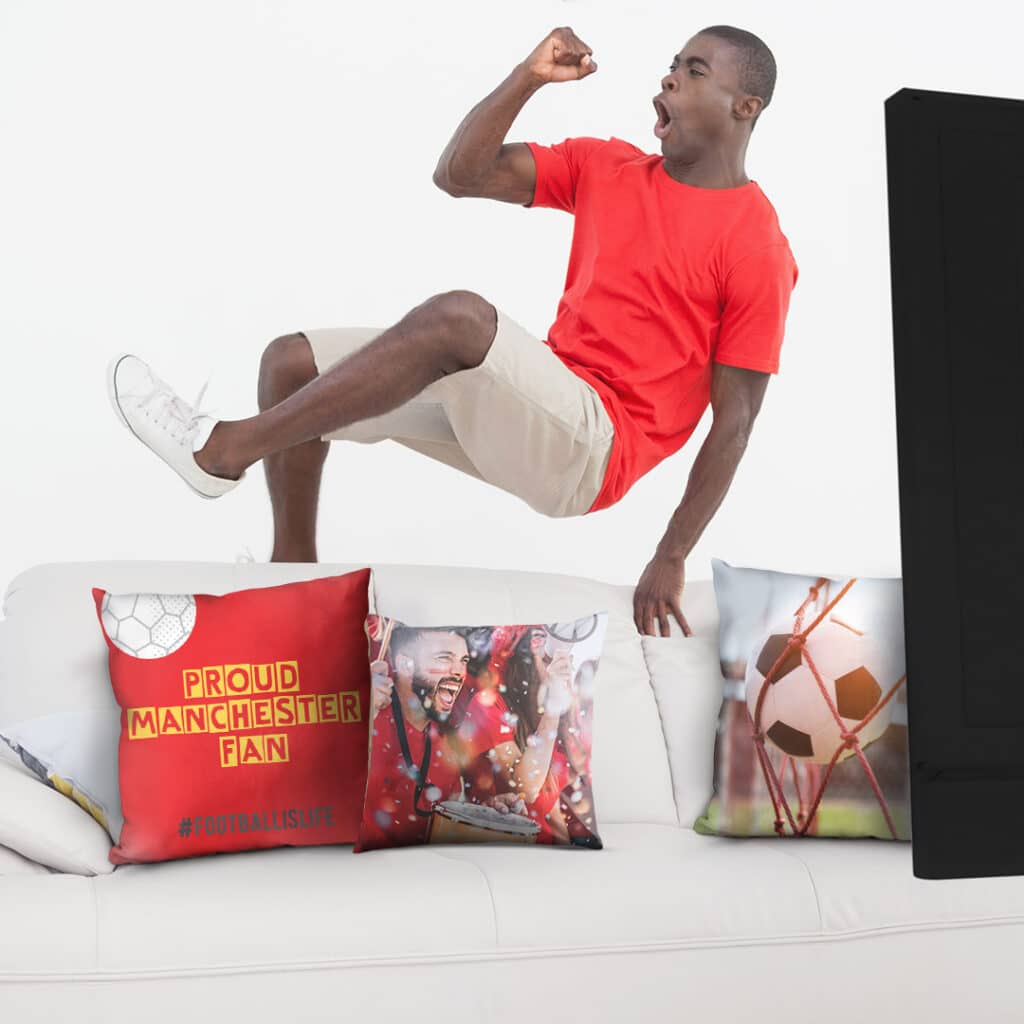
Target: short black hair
402,637
755,62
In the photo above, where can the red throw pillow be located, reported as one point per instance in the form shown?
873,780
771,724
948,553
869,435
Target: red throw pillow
243,716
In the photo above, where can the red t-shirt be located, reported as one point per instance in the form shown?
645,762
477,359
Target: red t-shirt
663,279
558,777
482,723
389,818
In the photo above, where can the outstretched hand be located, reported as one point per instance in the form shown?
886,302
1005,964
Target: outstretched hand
658,596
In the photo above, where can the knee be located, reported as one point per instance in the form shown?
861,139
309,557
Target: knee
285,366
466,323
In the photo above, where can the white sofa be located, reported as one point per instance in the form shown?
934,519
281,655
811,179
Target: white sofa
663,924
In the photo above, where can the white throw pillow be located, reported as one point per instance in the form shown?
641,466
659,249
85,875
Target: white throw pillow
43,825
75,752
12,863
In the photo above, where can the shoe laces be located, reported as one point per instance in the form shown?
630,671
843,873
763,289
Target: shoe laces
175,416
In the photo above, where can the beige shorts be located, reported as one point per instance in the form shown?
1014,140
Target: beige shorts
521,420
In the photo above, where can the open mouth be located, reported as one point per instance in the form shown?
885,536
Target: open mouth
664,122
445,694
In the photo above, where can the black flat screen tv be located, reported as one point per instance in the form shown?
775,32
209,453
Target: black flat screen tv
955,167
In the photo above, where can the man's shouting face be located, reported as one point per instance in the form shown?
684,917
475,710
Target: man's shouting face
439,660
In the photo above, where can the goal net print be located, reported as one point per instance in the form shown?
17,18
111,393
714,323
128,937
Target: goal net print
813,700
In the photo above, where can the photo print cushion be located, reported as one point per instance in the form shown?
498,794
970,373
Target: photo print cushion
481,734
812,732
243,716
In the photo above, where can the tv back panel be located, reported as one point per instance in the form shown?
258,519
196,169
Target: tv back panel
955,166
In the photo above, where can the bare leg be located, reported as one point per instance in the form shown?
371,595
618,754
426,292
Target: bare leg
293,475
447,333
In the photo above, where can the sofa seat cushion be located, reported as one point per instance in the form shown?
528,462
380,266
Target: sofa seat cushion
651,883
652,888
866,884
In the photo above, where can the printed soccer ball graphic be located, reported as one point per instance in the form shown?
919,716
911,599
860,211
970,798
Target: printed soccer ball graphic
794,716
148,625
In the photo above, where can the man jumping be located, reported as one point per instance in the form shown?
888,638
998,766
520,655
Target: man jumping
676,297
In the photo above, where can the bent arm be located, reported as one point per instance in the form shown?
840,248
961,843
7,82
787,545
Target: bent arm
736,396
527,770
477,161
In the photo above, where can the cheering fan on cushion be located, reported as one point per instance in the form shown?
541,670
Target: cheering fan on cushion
543,697
416,759
528,683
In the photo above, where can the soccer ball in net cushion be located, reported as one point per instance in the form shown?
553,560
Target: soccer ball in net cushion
795,716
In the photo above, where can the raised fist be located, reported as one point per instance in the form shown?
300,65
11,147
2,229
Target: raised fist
381,685
561,57
555,695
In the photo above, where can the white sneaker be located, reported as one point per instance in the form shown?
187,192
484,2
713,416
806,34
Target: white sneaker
164,423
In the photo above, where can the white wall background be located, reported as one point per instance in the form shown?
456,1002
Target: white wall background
188,180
